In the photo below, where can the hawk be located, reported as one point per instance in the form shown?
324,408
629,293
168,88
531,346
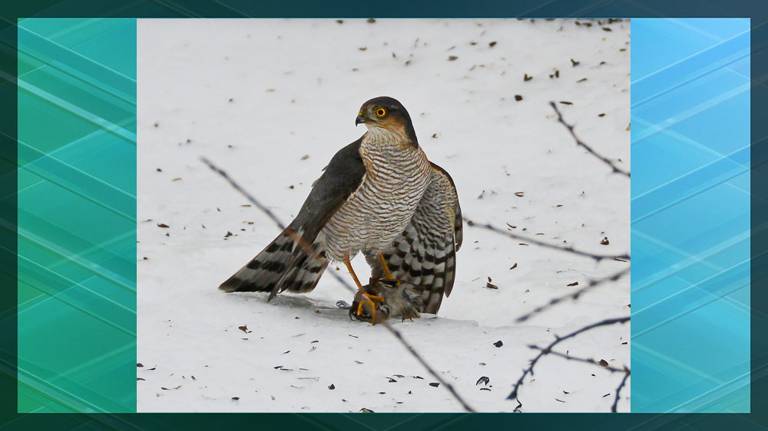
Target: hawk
422,258
365,198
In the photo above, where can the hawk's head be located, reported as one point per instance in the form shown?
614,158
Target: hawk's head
388,114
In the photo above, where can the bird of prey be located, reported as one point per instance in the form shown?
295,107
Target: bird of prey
422,258
365,198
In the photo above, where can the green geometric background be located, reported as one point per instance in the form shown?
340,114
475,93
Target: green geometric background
77,215
11,10
77,218
91,52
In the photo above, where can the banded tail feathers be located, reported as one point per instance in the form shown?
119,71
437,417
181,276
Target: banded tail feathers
285,263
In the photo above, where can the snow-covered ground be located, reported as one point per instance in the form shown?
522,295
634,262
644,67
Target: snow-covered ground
270,101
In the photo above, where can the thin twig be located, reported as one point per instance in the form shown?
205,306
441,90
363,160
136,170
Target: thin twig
548,349
244,192
590,361
568,249
395,332
591,284
618,390
589,149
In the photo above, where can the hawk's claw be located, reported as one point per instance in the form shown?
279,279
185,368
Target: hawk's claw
368,302
382,299
390,283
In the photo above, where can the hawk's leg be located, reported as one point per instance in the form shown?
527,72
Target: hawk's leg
369,300
385,269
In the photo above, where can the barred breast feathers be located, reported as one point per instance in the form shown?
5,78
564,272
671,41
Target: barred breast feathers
423,256
396,176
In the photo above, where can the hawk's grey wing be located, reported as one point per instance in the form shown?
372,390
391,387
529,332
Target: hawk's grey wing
424,254
294,259
340,179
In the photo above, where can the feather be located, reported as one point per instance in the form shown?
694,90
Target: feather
295,260
423,256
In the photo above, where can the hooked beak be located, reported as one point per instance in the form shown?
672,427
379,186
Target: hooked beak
359,119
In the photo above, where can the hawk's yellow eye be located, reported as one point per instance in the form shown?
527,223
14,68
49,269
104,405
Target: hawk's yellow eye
381,112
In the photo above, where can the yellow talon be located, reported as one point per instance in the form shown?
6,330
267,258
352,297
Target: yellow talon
371,301
385,269
367,299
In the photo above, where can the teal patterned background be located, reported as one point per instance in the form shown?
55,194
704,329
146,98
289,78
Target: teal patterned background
690,215
77,215
77,200
76,390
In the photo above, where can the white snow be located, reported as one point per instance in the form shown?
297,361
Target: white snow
256,96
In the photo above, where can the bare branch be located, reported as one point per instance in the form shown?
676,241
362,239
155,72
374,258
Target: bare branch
529,240
548,350
591,284
615,169
245,193
590,361
395,332
618,390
